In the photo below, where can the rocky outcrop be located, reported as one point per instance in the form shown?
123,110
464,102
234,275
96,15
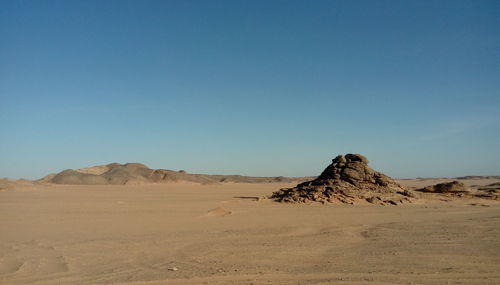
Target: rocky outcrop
448,187
137,173
349,180
460,190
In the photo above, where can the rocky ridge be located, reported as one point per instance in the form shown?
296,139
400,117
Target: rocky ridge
459,189
137,173
447,187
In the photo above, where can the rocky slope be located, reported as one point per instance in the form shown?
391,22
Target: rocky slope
136,173
349,180
459,189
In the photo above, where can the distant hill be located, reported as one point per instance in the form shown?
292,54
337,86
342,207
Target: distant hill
478,177
137,173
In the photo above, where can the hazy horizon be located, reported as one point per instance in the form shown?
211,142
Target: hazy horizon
257,88
243,174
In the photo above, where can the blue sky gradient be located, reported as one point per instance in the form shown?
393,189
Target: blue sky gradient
250,87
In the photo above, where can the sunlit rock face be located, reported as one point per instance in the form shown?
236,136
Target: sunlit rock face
348,179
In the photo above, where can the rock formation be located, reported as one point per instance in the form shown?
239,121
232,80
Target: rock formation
349,180
137,173
448,187
460,190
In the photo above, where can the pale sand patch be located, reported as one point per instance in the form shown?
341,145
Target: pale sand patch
97,170
64,234
218,212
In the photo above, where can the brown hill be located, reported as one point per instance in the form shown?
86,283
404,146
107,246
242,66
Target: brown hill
459,189
8,184
447,187
136,173
348,179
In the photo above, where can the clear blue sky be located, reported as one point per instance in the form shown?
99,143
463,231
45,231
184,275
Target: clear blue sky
250,87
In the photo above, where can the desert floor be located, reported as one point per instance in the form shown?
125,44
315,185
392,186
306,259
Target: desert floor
171,234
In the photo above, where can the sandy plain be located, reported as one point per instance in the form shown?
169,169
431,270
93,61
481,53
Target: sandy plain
219,234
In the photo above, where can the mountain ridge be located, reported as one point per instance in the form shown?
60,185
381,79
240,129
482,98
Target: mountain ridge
138,173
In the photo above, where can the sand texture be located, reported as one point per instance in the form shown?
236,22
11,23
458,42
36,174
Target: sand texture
227,234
